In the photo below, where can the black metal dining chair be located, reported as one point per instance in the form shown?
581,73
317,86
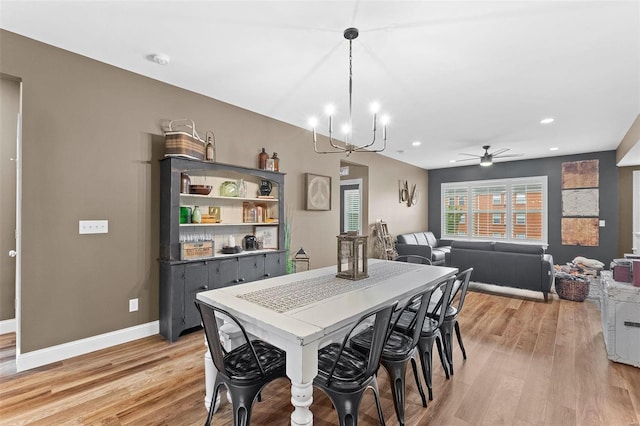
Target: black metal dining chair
245,370
400,348
450,322
344,374
430,331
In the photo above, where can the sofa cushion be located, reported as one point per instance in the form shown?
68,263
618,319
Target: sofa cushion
473,245
421,239
437,256
407,239
518,248
431,239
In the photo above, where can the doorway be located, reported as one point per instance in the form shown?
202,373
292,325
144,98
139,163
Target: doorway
10,191
354,197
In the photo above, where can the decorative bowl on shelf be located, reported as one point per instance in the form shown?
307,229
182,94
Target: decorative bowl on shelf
229,189
200,189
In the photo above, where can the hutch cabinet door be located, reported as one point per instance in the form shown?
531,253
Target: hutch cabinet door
250,268
223,272
274,264
196,280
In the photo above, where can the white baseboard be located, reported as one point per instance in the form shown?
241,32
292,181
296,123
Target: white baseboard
8,326
29,360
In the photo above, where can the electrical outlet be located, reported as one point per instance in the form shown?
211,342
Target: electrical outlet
133,305
601,223
93,227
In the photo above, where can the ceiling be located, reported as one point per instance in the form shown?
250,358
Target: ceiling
452,75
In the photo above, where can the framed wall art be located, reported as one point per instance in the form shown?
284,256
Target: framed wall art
318,192
268,235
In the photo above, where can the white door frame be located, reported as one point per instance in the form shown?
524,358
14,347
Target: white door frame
18,303
635,241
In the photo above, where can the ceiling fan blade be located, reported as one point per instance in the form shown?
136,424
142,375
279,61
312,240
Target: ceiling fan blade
466,159
499,151
507,155
471,155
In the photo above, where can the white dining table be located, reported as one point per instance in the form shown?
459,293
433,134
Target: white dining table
302,312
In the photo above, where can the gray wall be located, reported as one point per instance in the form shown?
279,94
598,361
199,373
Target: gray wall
552,168
92,142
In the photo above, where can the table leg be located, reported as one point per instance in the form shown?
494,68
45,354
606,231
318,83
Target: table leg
301,398
302,367
210,373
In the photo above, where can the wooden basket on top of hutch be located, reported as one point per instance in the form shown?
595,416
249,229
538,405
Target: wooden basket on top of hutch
180,278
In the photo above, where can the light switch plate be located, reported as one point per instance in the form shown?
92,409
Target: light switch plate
601,223
93,227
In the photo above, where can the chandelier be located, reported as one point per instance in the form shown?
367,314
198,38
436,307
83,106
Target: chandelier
347,129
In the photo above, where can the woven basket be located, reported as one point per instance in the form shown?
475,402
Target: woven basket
576,290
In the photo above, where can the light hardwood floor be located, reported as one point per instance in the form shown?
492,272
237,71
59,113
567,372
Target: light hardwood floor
528,363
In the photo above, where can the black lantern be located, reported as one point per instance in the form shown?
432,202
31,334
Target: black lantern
301,260
352,256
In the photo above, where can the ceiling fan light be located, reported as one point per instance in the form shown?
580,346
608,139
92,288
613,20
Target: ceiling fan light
485,161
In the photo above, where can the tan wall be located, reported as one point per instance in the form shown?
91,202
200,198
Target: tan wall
625,209
9,108
91,148
629,141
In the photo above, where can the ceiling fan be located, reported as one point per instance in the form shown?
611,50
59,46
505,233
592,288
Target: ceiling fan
486,159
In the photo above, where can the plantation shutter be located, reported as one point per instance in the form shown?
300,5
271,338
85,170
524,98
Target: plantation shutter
455,203
352,210
489,211
527,207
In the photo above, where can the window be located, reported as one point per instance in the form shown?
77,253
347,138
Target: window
352,210
454,223
510,209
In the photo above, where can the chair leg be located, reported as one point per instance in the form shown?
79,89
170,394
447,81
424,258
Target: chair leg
459,336
446,330
376,395
242,397
347,405
414,367
397,370
216,390
425,346
443,359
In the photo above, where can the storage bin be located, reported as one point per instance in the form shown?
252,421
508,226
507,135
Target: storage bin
575,289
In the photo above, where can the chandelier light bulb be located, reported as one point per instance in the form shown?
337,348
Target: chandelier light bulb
313,122
375,107
385,120
345,129
330,109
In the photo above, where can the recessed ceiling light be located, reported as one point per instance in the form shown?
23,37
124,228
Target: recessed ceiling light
416,143
555,148
160,58
547,120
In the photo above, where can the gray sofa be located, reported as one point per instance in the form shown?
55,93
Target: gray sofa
423,244
507,264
